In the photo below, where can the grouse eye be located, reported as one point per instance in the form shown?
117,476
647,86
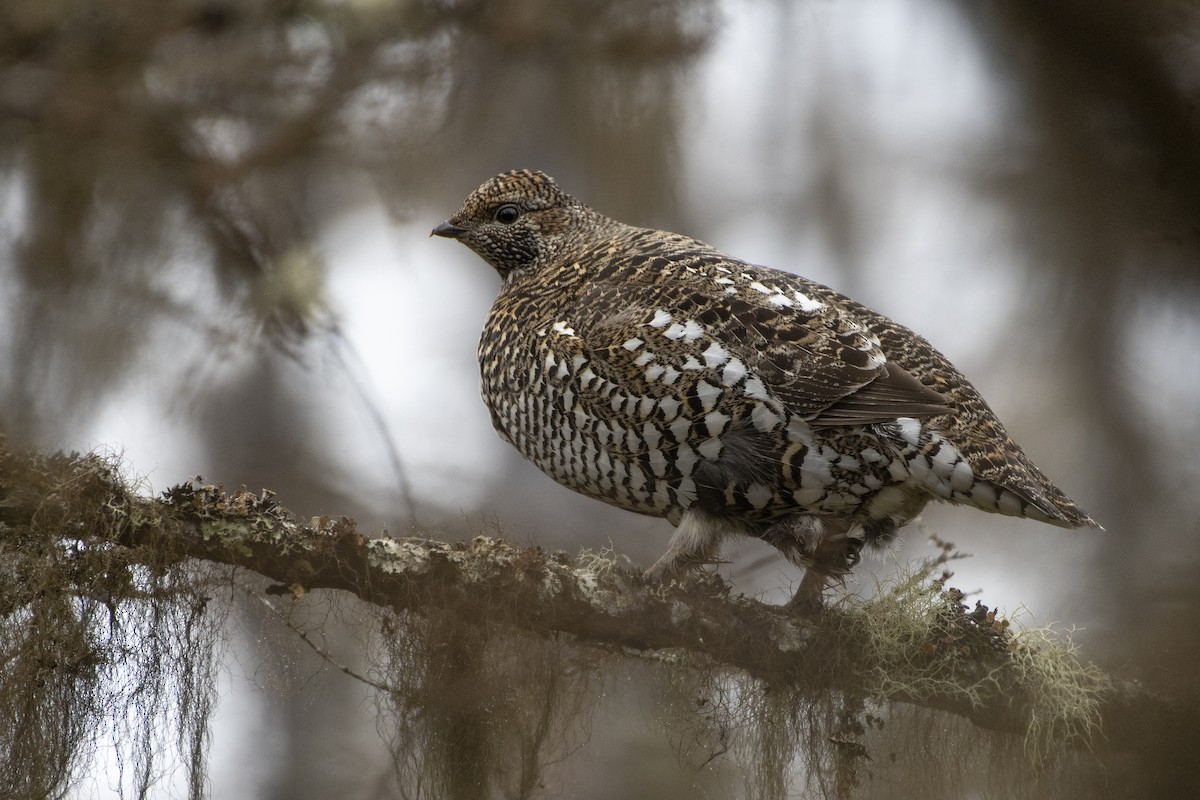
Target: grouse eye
507,214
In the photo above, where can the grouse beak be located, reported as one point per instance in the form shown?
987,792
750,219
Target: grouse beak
447,229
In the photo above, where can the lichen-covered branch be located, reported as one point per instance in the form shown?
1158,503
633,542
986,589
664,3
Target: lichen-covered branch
916,643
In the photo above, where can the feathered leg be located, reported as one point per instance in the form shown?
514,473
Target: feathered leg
826,548
695,543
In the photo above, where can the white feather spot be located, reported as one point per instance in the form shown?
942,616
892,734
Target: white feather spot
711,449
563,328
962,477
759,287
633,344
619,472
651,436
815,469
764,418
984,495
945,458
919,469
808,495
680,428
688,330
637,480
670,376
707,394
849,463
685,459
723,281
910,429
715,422
756,389
871,456
715,355
618,433
654,371
758,495
662,318
734,371
692,363
780,300
806,302
670,407
1009,504
644,359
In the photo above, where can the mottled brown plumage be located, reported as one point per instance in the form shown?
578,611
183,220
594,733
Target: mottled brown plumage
651,371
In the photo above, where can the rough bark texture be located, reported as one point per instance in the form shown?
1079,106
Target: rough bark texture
966,662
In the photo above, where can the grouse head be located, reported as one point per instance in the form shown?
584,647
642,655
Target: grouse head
515,219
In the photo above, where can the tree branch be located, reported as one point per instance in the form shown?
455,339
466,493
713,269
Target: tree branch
918,644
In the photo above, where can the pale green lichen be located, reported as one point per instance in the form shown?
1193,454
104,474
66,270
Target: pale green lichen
239,518
597,563
918,634
587,583
595,575
400,556
233,534
1064,693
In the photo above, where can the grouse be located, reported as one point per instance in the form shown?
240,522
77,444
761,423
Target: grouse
651,371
